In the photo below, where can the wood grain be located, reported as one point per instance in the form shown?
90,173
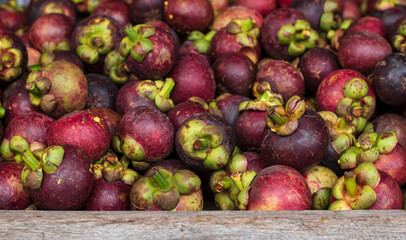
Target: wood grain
203,225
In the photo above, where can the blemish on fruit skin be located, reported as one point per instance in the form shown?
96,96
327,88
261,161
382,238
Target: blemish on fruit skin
170,16
59,181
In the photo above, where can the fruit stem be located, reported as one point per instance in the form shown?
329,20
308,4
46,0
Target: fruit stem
167,88
276,118
29,158
350,183
160,180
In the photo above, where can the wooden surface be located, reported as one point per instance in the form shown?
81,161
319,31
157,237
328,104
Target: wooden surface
203,225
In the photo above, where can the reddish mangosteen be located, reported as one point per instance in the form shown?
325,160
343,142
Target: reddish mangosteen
182,111
282,77
394,163
165,190
14,57
41,7
116,9
231,185
112,118
83,129
279,188
366,188
142,11
193,77
145,93
205,141
235,12
58,88
321,181
27,131
351,10
67,56
112,185
240,35
388,78
262,6
13,16
228,105
187,16
88,6
165,26
361,51
16,100
348,94
93,38
287,34
294,136
13,194
61,180
51,32
316,64
145,135
149,51
234,73
251,122
198,42
369,24
102,91
391,122
284,3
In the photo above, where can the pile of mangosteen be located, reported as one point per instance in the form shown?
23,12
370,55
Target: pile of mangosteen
202,104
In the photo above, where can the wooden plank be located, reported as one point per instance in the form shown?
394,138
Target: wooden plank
203,225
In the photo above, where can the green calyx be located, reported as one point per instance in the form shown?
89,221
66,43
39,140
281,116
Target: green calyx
284,121
355,190
383,5
95,39
203,143
399,40
298,36
321,199
201,42
158,91
116,68
129,147
137,43
112,169
335,31
246,31
10,60
38,87
368,148
46,58
341,132
52,158
32,174
266,100
356,106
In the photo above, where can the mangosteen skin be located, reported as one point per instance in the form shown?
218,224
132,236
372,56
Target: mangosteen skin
234,73
210,120
83,129
269,32
69,56
316,64
182,111
152,129
389,79
233,12
13,194
390,16
262,6
361,51
394,163
229,108
193,77
52,28
369,24
330,161
106,196
112,118
311,9
388,194
330,90
279,187
142,11
283,78
185,16
117,9
173,165
42,7
248,128
69,186
301,150
102,91
16,100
